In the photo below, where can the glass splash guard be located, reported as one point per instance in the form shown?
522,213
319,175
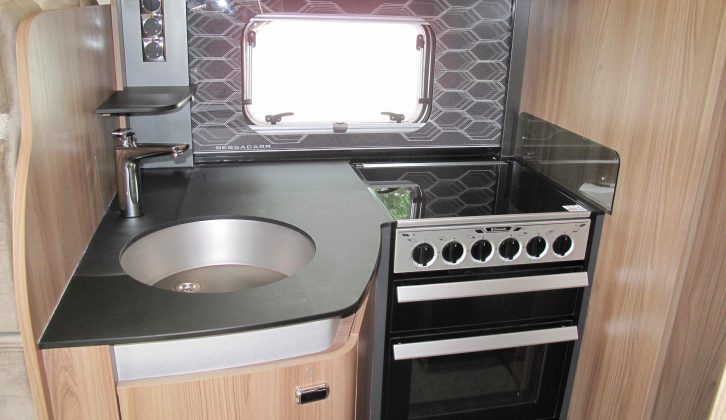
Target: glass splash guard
583,167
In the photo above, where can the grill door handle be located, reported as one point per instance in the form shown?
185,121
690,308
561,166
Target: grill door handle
439,291
483,343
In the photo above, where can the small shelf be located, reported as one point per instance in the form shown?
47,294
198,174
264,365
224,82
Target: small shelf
146,100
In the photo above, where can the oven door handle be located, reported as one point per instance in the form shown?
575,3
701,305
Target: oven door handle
465,289
483,343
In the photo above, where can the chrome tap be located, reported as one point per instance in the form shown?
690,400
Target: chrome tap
128,177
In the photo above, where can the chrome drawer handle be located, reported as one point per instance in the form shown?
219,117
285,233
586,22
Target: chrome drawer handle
308,394
439,291
483,343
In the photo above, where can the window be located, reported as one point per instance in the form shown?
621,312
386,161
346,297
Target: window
326,74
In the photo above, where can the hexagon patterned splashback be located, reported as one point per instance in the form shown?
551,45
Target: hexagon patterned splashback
473,41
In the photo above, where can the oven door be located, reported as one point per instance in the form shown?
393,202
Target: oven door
512,375
439,304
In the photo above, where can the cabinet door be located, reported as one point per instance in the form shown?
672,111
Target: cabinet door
265,392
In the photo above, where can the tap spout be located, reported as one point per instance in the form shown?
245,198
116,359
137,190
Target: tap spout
128,175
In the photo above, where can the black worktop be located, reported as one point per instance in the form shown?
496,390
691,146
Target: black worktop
327,200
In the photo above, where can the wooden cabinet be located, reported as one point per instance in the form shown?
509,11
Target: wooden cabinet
265,391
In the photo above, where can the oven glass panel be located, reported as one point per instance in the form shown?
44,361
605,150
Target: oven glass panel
467,382
522,382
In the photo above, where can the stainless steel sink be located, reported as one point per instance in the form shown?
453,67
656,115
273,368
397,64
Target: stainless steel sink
217,256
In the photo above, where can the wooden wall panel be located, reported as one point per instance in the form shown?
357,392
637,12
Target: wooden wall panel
718,410
64,179
696,352
644,78
66,161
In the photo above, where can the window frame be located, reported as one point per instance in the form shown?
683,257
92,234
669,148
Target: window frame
425,90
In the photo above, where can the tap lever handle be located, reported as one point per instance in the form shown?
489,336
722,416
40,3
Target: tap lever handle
125,136
122,132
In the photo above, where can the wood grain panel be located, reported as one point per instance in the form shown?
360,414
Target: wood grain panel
718,411
643,78
82,383
118,61
363,330
696,351
258,394
36,370
64,179
265,391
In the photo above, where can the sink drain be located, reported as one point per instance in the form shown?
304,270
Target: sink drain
187,287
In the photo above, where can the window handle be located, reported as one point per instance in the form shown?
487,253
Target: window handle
276,118
394,117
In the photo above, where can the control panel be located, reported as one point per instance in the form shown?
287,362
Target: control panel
152,30
489,245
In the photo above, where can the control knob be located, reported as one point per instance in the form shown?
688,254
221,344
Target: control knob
481,250
423,254
536,247
509,249
452,252
562,246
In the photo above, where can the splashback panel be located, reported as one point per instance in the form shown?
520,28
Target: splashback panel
473,42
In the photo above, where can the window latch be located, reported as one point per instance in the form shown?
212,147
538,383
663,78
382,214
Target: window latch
394,117
274,119
340,127
420,42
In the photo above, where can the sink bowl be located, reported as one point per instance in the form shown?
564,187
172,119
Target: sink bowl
217,256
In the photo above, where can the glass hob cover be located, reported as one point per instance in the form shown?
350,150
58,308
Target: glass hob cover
462,189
